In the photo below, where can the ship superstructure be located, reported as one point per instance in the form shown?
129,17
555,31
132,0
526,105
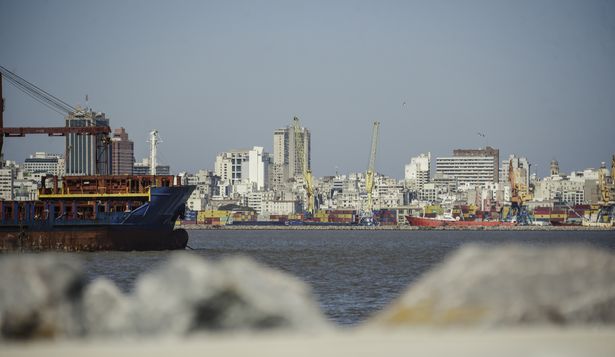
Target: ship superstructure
97,213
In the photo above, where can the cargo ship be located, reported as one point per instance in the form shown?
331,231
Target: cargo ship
452,222
93,213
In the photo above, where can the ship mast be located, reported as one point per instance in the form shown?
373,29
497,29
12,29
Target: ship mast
153,141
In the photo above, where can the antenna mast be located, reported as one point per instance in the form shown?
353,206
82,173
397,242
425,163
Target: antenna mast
153,140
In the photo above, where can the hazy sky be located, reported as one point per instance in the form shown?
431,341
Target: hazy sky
538,77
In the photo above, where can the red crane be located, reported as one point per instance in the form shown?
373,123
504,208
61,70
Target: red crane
49,101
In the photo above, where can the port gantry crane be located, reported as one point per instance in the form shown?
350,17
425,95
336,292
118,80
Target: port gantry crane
519,194
52,103
368,214
301,154
606,212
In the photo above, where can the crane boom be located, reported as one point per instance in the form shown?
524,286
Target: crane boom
307,172
38,94
54,131
51,102
369,176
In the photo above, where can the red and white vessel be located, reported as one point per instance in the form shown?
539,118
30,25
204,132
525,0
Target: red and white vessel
452,222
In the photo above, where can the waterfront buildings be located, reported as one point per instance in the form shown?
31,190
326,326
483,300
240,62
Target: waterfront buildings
15,184
207,187
7,177
521,171
287,164
471,167
122,153
580,187
87,154
143,168
44,163
487,152
417,172
249,168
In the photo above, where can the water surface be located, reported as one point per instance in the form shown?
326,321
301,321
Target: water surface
352,273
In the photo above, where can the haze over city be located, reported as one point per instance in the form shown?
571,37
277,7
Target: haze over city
537,78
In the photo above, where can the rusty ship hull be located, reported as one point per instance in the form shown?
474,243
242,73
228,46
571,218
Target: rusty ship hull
97,213
91,238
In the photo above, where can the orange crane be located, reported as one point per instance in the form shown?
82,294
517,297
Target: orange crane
49,101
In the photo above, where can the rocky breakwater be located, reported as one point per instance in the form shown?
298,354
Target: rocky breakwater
481,286
44,296
47,296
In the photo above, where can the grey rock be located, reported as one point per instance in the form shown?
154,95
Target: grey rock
510,285
44,295
189,294
106,311
38,294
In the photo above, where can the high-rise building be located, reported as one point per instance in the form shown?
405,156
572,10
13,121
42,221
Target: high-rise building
295,167
468,170
281,146
286,162
87,154
258,168
471,167
486,152
122,153
417,172
279,169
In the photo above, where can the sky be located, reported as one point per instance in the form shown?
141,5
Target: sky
537,77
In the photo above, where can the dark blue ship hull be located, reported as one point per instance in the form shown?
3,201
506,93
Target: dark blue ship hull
149,226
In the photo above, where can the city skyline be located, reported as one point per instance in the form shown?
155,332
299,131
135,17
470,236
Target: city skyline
537,78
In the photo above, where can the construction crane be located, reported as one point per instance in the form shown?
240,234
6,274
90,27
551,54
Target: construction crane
50,102
368,214
606,212
518,196
301,154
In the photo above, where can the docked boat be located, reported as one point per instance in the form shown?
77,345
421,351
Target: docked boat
92,213
452,222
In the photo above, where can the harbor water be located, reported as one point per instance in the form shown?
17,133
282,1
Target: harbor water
352,273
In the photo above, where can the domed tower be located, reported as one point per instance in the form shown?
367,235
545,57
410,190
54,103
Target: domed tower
554,168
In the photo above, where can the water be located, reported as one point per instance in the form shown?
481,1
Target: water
352,273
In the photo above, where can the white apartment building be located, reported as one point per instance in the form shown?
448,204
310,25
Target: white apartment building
229,165
246,168
7,178
417,172
258,168
468,170
269,207
579,187
42,162
387,192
